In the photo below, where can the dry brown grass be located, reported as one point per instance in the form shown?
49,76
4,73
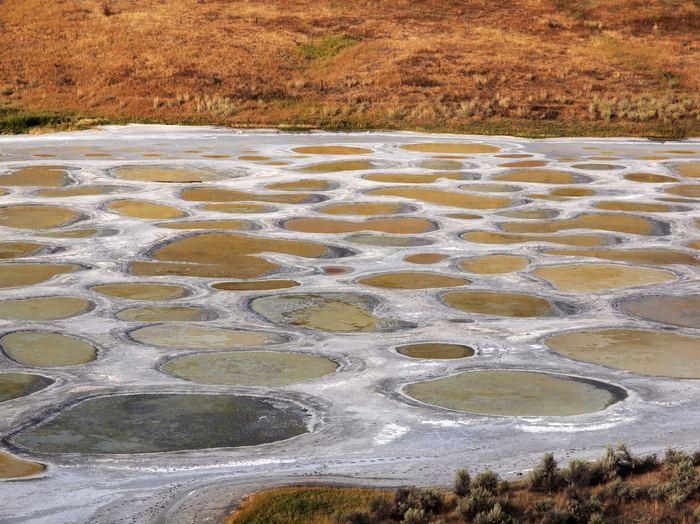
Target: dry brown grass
559,66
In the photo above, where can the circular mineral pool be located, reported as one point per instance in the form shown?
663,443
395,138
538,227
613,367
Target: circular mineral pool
517,393
435,350
150,423
249,368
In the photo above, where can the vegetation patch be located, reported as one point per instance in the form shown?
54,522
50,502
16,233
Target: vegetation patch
619,487
327,46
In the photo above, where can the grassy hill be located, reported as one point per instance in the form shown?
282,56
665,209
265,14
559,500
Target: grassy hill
532,67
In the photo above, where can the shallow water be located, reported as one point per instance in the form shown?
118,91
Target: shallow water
401,226
621,223
249,368
141,290
44,308
494,264
451,148
15,467
164,314
165,174
144,209
231,195
36,176
381,265
333,312
539,176
601,277
15,275
201,337
444,198
413,280
43,348
15,385
436,350
364,208
675,310
37,216
640,351
514,393
10,250
224,255
502,304
163,422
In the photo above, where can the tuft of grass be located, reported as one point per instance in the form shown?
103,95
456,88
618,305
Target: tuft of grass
327,47
15,121
302,505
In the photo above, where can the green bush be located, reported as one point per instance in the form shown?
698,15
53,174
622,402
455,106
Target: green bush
578,473
478,501
546,476
462,483
495,516
486,480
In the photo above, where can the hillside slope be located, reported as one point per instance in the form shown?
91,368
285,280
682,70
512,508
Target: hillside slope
534,66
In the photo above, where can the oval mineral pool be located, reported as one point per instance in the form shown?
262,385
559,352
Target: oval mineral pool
436,350
235,225
182,336
400,226
215,194
687,169
444,198
601,277
451,148
637,256
166,174
677,310
617,222
640,351
517,393
144,209
332,150
238,208
539,176
255,285
141,290
15,385
500,304
35,216
78,191
249,368
650,178
365,208
15,275
15,467
19,249
597,167
43,348
494,237
37,176
311,184
151,423
413,178
413,280
685,190
226,255
339,166
370,239
334,312
44,308
425,258
494,264
531,214
165,314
